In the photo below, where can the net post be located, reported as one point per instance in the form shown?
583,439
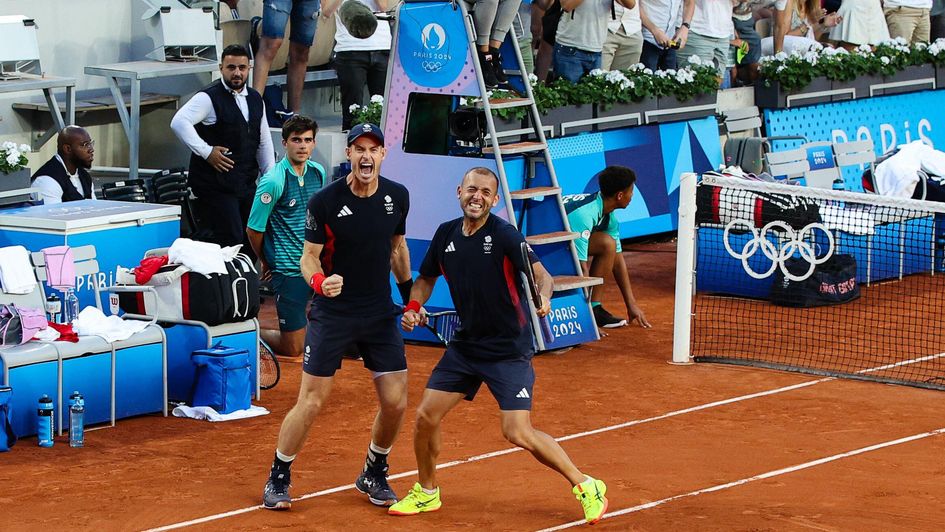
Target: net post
685,247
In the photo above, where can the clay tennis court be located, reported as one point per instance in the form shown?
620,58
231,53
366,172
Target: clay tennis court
708,447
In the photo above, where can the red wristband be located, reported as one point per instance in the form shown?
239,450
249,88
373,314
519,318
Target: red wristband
316,283
413,305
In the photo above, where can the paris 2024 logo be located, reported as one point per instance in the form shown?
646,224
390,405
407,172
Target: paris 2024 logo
432,51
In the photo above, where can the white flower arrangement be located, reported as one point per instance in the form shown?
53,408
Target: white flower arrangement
13,157
370,113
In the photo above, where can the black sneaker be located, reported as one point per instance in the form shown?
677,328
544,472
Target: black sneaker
373,482
606,320
488,71
497,68
276,494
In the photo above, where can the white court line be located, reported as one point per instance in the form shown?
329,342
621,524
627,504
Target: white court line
762,476
502,452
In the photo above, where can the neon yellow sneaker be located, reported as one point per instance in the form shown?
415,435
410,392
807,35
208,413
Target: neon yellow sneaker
417,501
591,494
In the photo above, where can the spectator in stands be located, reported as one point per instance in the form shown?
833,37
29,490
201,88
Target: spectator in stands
359,62
709,35
543,48
624,42
908,19
808,22
861,22
598,248
276,231
65,177
743,20
522,25
492,20
276,13
579,41
937,20
225,127
660,19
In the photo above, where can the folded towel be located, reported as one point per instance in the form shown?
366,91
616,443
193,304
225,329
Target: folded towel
201,257
16,272
208,413
92,322
60,267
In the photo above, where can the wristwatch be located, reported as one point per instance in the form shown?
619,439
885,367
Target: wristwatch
687,25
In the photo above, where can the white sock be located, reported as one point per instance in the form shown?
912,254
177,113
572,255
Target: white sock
430,492
379,450
284,457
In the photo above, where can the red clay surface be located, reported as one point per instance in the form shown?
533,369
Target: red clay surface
151,471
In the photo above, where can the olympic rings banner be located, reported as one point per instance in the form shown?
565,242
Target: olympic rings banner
432,46
886,120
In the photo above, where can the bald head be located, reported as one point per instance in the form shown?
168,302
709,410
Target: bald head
481,171
75,146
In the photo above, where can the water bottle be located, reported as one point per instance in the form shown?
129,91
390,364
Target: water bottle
45,425
76,420
71,306
53,307
839,185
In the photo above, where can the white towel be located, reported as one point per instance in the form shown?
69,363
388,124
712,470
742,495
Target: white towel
16,272
92,322
208,413
201,257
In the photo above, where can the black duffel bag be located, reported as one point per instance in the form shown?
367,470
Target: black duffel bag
831,283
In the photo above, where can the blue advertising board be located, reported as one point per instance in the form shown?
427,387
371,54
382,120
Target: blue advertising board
888,121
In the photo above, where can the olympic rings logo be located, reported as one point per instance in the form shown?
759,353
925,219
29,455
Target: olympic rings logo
432,66
797,242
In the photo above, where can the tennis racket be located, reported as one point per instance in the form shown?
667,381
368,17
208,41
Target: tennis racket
443,324
269,371
544,322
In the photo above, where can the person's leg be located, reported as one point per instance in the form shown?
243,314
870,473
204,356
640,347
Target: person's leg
669,59
543,60
628,53
483,19
352,68
292,297
602,248
518,430
650,55
936,27
220,213
899,23
923,27
392,401
427,441
611,43
245,206
505,14
274,18
568,63
377,72
304,24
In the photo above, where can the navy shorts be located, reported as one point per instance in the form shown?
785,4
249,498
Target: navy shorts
509,379
292,297
376,339
302,13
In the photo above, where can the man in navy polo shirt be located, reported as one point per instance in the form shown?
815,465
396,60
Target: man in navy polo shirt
354,238
480,257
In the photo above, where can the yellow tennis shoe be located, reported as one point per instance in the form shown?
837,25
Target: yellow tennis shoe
591,494
418,501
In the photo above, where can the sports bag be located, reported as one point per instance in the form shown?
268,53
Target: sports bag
19,325
718,205
185,294
7,436
746,153
223,379
831,283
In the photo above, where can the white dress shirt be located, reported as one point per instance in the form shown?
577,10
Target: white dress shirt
50,191
664,14
199,110
628,18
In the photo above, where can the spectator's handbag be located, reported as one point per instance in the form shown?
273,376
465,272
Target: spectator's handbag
7,437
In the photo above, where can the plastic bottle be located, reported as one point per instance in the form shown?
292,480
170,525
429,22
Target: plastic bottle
70,306
76,420
45,425
839,185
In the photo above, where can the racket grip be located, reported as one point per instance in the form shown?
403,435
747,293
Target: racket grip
546,330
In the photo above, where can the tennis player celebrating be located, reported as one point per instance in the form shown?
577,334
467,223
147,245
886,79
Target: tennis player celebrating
354,237
480,257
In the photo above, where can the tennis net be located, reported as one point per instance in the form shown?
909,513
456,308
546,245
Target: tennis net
811,280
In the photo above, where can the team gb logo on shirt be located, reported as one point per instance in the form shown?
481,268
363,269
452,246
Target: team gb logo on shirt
389,204
487,245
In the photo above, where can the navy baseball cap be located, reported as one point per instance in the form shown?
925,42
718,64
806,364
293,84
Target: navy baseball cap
361,130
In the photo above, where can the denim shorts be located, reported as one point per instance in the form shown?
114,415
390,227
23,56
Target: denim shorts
302,13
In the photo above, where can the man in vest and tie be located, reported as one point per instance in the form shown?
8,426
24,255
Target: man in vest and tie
65,177
225,127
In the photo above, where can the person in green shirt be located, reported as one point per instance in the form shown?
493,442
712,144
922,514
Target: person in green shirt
591,216
276,231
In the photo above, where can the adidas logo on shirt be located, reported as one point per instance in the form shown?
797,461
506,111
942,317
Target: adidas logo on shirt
345,211
523,394
450,247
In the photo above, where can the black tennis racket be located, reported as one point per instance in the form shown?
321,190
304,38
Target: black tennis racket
544,322
269,371
443,324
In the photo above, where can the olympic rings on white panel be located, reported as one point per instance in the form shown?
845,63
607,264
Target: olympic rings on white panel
796,242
